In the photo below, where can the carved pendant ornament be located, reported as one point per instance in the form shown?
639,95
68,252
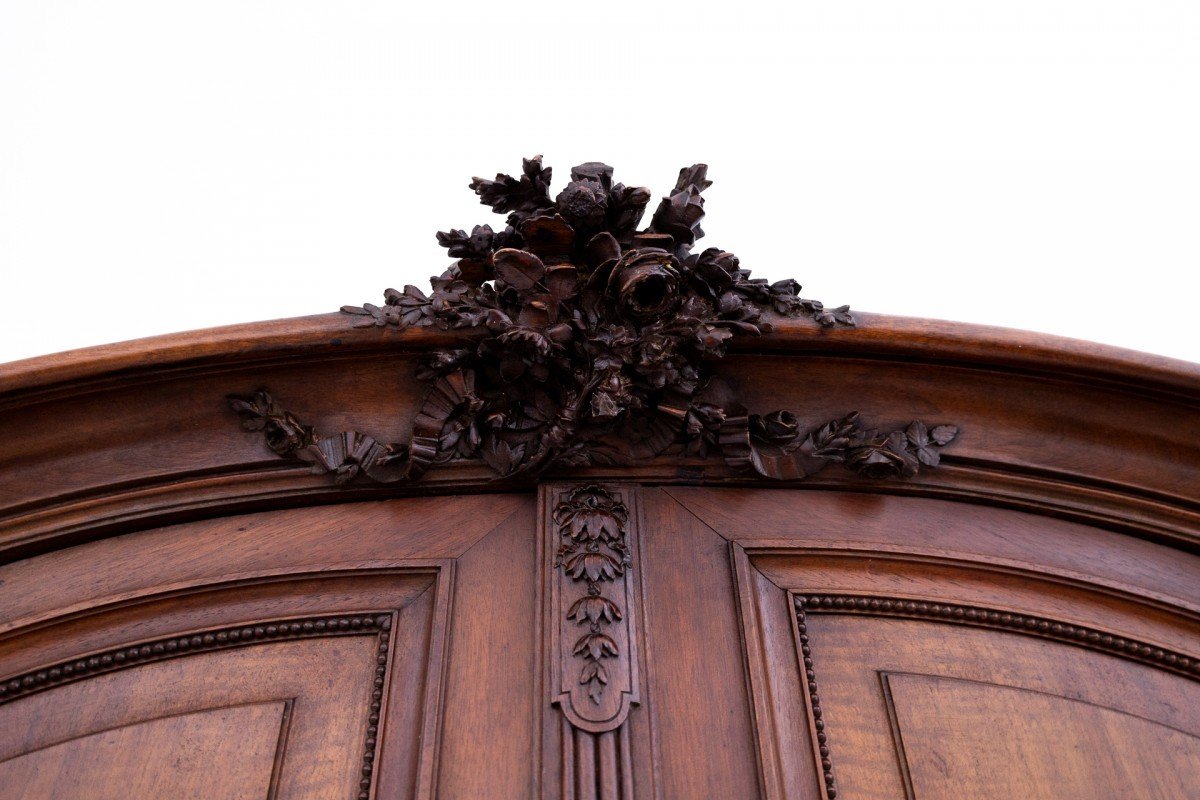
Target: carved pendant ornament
590,545
593,554
591,342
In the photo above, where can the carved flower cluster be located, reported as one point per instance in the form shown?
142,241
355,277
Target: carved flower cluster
590,342
591,525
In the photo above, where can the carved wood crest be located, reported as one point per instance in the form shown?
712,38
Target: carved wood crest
590,342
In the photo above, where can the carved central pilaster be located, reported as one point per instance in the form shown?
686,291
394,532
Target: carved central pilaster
591,599
591,620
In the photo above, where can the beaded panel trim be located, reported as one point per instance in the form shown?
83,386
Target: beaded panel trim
374,624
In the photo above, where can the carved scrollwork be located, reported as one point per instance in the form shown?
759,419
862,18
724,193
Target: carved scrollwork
590,342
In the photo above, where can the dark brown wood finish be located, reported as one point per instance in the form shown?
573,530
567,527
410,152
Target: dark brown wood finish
588,342
172,596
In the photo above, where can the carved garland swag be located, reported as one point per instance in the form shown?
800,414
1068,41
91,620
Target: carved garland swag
590,342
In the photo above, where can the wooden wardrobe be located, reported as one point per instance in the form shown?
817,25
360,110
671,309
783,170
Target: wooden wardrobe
184,614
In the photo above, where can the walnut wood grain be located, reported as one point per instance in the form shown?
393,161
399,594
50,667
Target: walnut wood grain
173,756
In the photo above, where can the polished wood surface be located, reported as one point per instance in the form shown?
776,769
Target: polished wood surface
181,615
950,723
173,756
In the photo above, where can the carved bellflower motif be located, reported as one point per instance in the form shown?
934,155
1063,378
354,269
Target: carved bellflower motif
593,551
588,341
594,610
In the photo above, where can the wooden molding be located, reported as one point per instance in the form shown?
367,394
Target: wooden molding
390,603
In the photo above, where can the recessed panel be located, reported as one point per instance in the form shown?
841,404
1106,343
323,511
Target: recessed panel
178,757
220,725
938,710
991,742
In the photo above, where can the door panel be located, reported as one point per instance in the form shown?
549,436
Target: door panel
940,710
947,663
177,756
267,686
326,682
947,723
175,644
697,695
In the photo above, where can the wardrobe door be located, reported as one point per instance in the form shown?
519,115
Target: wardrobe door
288,654
906,648
967,702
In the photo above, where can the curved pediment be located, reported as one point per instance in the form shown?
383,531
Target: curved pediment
112,438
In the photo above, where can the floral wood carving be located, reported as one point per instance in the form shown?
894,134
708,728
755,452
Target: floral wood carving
591,342
592,551
592,608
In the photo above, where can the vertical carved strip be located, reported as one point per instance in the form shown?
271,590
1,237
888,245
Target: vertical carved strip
626,762
606,756
590,613
585,765
567,760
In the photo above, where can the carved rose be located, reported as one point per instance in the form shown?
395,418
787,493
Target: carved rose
583,204
887,459
285,434
646,283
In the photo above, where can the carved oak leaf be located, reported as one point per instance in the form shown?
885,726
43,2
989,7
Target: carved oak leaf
528,193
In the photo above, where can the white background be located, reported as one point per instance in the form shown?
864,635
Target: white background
174,165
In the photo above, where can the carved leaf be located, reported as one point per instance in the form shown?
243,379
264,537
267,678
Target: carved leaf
594,609
944,434
528,193
518,268
593,671
596,646
594,565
